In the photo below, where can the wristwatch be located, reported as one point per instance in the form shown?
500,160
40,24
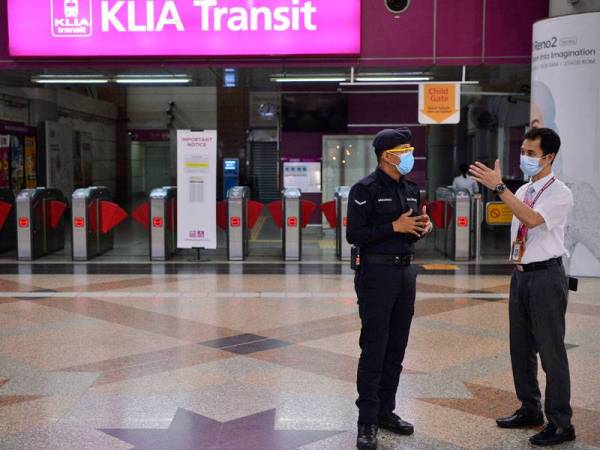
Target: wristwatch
500,188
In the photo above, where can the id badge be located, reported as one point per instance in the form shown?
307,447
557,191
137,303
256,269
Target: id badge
517,250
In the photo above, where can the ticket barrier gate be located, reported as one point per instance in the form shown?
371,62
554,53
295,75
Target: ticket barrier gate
292,224
459,236
8,228
94,218
40,222
342,247
238,233
163,221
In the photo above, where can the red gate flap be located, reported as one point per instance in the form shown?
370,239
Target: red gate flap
254,211
56,211
111,215
329,209
222,215
276,210
141,214
92,212
435,210
308,209
5,209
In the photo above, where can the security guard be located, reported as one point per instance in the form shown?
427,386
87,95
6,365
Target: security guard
384,223
538,287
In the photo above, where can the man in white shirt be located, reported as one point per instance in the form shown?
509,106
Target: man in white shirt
464,181
539,287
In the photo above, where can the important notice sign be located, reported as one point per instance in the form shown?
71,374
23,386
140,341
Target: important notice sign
439,103
59,28
497,213
196,189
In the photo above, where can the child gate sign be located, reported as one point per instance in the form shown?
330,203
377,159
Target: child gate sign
439,103
72,28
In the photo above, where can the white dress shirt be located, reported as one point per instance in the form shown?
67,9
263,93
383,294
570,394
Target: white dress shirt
546,241
468,183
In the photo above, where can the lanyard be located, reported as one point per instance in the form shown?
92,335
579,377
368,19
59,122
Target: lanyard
523,230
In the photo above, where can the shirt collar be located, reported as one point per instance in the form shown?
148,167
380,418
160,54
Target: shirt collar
387,179
539,184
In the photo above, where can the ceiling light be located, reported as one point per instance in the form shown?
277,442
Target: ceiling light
383,79
69,80
308,79
152,80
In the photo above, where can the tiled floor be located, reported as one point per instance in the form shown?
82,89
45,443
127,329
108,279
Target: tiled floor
258,357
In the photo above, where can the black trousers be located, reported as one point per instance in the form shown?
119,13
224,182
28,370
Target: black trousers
386,303
537,307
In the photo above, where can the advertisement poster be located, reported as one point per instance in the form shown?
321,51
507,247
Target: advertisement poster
67,28
59,157
30,162
197,189
17,161
303,175
565,96
4,161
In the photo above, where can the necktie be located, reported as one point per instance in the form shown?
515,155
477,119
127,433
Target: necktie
529,195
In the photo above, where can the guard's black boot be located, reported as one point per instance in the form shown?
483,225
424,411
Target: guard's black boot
521,419
552,435
395,424
367,437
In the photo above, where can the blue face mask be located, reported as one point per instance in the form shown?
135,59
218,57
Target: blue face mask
530,166
406,164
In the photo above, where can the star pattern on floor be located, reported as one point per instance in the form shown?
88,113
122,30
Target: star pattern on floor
189,430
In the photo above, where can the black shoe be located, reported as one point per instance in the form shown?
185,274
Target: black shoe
521,419
395,424
367,437
552,435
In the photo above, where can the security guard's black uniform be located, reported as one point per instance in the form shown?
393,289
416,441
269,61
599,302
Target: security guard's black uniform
385,284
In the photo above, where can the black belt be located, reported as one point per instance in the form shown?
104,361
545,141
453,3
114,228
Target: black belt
389,260
539,265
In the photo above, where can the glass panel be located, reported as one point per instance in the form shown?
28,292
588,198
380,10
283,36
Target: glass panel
346,159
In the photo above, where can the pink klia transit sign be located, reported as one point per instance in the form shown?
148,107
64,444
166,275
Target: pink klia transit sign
72,28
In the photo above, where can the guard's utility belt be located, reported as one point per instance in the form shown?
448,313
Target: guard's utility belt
388,260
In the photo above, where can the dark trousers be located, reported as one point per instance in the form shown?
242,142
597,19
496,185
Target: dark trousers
537,307
386,303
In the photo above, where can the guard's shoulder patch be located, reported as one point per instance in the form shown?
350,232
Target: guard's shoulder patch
368,180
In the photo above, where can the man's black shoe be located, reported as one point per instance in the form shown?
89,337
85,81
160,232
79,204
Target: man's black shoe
367,437
395,424
552,435
521,419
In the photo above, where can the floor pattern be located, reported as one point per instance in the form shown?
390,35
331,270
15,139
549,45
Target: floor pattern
260,361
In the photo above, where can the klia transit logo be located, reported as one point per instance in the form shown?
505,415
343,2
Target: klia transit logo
71,18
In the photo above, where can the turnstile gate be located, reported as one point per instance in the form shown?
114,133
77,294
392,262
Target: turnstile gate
292,224
163,229
8,229
40,222
237,223
342,247
89,240
460,239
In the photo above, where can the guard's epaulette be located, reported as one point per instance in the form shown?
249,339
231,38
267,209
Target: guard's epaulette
368,180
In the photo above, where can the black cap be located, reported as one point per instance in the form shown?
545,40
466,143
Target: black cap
389,139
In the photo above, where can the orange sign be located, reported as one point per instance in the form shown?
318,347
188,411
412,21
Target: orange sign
497,213
439,103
